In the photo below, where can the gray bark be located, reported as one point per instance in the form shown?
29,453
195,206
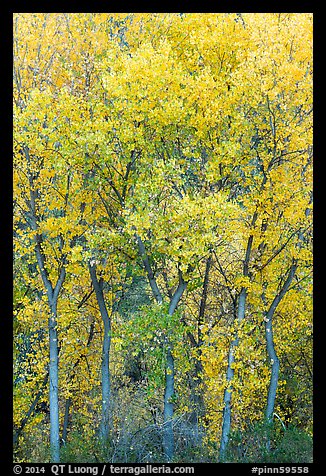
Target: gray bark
53,385
52,294
196,383
177,295
151,278
106,383
273,383
204,298
54,369
105,366
273,358
227,409
168,436
226,425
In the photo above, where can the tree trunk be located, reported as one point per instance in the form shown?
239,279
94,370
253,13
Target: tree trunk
105,366
226,419
168,436
273,383
196,384
106,384
53,385
52,294
274,361
226,425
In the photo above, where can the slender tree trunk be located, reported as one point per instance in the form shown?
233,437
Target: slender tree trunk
226,425
196,390
168,436
52,294
273,382
150,275
105,365
106,383
226,419
274,360
53,385
270,346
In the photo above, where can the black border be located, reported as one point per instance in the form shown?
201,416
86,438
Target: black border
6,332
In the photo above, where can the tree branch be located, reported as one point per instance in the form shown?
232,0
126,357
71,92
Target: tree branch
151,278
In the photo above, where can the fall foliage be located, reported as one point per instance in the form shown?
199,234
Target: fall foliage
162,237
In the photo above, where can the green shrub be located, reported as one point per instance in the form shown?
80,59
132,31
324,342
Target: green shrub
265,444
296,446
